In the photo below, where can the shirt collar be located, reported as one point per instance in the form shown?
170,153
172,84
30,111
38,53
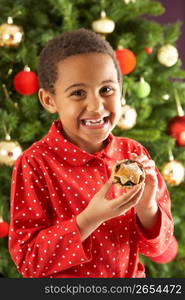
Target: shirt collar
71,153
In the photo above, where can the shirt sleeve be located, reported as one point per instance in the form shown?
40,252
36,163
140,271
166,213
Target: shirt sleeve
40,245
163,231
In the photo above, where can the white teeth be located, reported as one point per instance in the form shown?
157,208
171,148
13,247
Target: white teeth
93,122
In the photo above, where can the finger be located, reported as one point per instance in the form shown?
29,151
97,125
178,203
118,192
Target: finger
138,158
151,173
144,160
151,177
152,170
132,202
126,197
105,188
138,195
148,164
133,155
124,208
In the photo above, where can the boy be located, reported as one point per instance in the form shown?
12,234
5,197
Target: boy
67,218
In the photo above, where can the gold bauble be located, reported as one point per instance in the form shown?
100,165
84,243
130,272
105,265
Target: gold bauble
168,55
10,35
173,172
9,152
128,117
103,25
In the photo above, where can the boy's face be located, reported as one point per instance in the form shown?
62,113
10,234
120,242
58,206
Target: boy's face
87,99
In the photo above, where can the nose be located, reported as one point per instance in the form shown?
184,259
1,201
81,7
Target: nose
95,103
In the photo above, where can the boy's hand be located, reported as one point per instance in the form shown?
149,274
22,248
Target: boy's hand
101,209
142,197
147,207
148,166
148,199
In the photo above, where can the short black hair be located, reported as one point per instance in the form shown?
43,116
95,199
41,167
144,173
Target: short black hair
79,41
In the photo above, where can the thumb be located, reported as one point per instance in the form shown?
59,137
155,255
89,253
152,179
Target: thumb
106,187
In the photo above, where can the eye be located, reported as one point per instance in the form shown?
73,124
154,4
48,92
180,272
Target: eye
106,90
78,93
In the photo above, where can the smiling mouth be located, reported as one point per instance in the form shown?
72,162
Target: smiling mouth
95,123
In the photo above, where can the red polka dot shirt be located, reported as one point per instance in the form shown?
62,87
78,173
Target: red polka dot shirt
52,182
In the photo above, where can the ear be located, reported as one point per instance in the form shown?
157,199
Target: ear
47,100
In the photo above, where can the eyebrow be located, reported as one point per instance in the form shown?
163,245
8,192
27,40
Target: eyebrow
85,85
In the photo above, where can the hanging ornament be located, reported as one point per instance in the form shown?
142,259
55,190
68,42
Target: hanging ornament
4,228
103,25
26,82
173,172
128,117
176,126
148,50
129,1
9,151
142,88
126,59
10,35
167,55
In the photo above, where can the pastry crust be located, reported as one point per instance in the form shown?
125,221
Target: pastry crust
128,173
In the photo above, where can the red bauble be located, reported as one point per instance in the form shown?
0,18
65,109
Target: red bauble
169,254
4,229
176,129
126,59
148,50
26,82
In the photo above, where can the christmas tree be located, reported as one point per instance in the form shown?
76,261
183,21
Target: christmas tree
153,93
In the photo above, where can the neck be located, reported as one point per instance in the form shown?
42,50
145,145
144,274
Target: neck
88,148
